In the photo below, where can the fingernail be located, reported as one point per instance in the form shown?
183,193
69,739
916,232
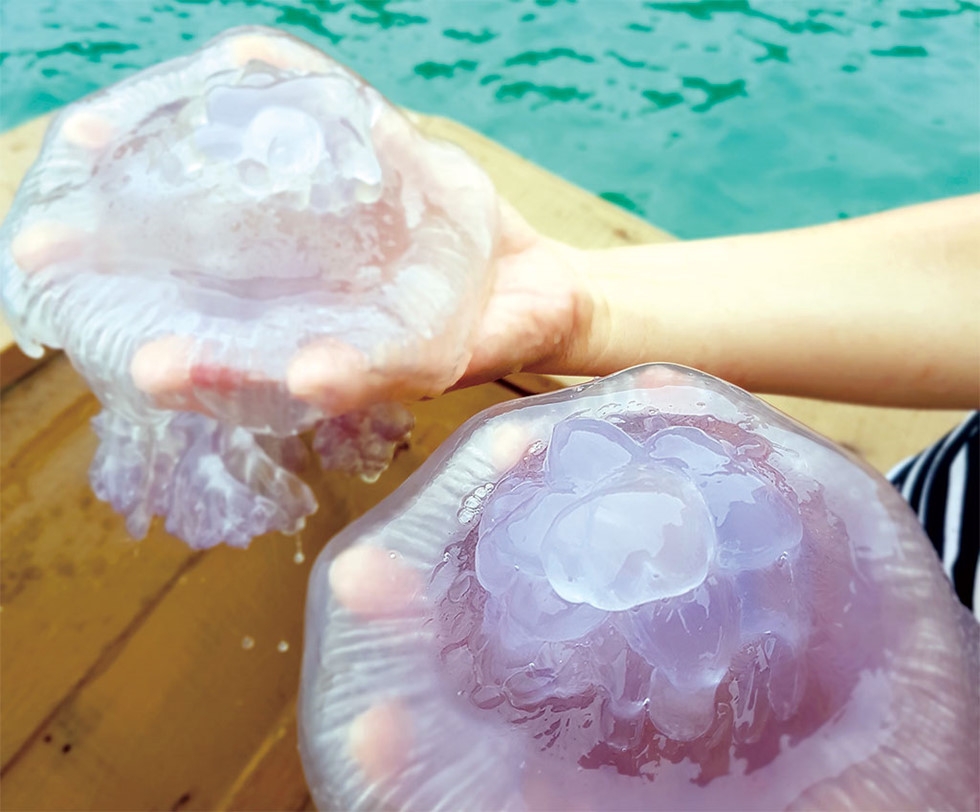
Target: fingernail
87,129
44,243
374,582
380,740
162,366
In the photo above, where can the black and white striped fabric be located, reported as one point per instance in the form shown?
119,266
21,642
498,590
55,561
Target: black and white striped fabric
942,484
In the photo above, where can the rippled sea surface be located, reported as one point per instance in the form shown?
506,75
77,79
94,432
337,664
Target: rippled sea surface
706,118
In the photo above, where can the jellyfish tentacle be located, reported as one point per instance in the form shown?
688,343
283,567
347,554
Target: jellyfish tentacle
212,483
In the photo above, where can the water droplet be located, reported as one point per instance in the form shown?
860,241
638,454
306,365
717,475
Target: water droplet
472,504
298,557
248,642
282,647
392,555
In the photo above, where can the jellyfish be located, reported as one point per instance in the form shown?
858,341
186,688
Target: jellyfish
201,236
652,591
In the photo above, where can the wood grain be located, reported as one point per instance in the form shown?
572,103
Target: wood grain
125,681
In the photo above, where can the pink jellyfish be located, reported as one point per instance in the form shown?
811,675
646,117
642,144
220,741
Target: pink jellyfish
650,592
208,236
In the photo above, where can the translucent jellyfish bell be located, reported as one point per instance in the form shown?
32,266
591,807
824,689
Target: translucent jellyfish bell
650,592
201,236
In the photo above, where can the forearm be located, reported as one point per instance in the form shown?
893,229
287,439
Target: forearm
881,309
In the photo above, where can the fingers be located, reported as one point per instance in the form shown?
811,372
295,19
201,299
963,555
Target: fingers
331,374
86,129
279,52
255,47
678,389
516,234
168,371
657,376
45,243
509,444
374,582
340,379
177,373
380,740
161,369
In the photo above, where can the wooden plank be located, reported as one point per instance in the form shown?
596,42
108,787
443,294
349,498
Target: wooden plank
883,437
162,705
19,148
269,781
552,205
70,582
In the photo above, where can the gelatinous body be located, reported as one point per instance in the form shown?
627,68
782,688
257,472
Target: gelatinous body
651,592
195,235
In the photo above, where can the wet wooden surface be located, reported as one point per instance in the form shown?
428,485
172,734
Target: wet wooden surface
147,676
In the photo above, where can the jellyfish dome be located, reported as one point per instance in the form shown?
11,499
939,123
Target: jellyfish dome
194,235
650,592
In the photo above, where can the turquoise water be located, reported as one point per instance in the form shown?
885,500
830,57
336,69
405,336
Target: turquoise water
706,118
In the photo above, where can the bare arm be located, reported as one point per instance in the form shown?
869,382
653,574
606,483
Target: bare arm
882,309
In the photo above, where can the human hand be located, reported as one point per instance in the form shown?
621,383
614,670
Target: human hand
537,308
540,310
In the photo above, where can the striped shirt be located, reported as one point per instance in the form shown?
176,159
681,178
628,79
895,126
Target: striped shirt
942,484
